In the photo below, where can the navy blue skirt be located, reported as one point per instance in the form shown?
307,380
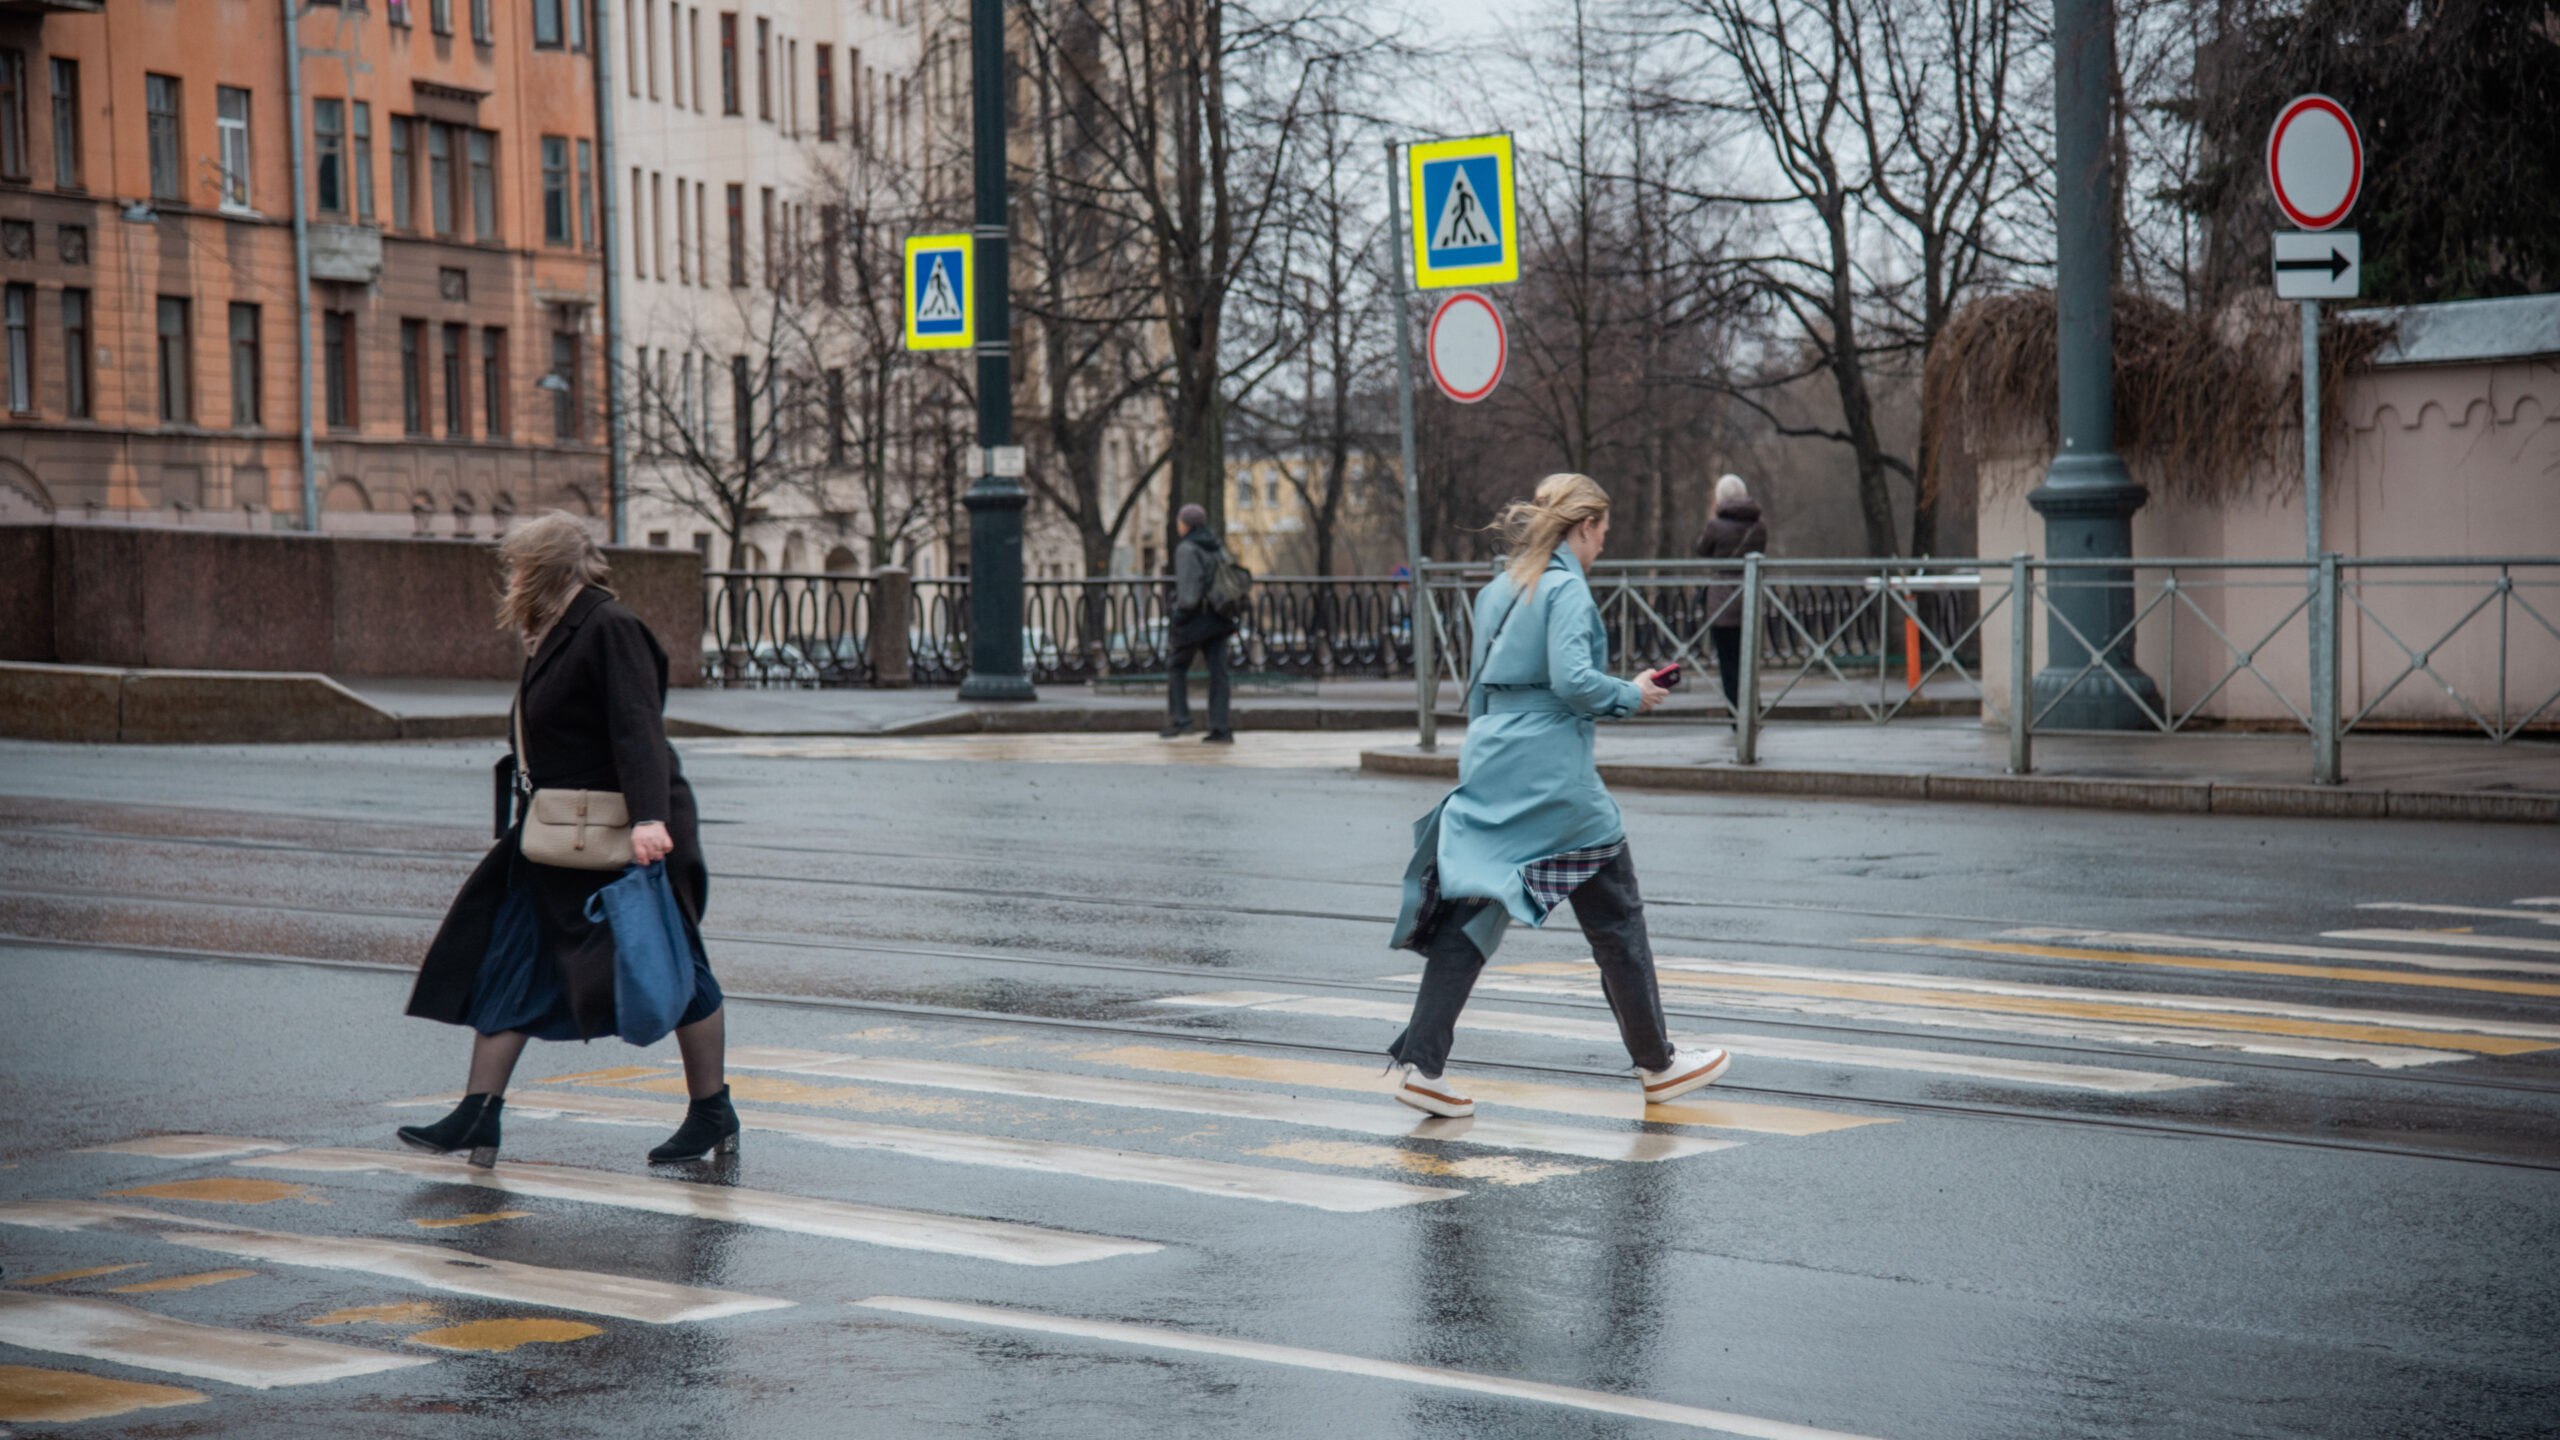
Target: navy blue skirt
519,983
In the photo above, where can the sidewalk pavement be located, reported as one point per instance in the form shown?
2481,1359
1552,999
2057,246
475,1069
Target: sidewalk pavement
2426,777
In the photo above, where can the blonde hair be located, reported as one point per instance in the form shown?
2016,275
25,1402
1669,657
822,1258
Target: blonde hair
547,560
1532,529
1729,489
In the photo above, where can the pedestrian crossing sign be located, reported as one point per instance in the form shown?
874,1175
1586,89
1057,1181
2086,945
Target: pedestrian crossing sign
941,313
1465,217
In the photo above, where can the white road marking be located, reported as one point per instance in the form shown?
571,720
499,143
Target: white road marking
1349,1193
1157,1337
2539,917
2388,1057
2135,941
652,1302
186,1147
2539,900
1818,1052
2524,943
123,1335
1380,1117
834,1219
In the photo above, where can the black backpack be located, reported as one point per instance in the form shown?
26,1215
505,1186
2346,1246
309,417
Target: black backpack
1230,589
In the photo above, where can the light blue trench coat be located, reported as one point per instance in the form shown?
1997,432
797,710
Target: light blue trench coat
1528,787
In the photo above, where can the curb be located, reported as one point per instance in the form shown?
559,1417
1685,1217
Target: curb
2179,797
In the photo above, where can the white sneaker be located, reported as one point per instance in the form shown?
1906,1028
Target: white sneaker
1689,1070
1432,1094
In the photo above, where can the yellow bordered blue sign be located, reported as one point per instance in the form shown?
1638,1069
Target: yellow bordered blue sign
1465,216
942,312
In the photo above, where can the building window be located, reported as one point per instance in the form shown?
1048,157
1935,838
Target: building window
588,236
440,177
484,183
853,95
413,376
483,29
741,405
555,190
66,124
564,399
329,156
177,395
772,258
764,68
546,24
639,242
684,235
231,128
440,16
728,62
826,92
247,371
702,234
360,159
338,368
75,354
21,307
13,115
577,17
457,395
830,242
493,383
737,235
649,24
404,174
168,170
658,224
835,417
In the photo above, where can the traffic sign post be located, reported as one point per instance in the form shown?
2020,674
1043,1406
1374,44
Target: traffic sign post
941,288
2315,167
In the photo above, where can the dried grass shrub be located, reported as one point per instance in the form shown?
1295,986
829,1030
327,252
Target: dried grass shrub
2208,405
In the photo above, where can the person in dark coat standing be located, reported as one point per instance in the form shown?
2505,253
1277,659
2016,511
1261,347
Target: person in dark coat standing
1197,629
1734,529
516,958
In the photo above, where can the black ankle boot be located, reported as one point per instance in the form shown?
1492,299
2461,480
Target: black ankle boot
472,1126
710,1128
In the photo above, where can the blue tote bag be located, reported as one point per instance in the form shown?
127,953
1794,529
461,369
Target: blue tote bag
653,969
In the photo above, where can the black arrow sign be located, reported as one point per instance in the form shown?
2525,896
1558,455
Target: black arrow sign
2336,264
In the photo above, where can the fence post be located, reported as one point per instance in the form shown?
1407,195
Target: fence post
1426,664
892,601
2022,660
1746,715
2324,672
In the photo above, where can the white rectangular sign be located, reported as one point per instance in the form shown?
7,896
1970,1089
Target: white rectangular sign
2320,265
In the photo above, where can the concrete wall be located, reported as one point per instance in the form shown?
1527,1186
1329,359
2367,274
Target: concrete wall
213,600
2457,459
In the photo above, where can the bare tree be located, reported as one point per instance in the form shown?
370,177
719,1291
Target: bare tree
731,428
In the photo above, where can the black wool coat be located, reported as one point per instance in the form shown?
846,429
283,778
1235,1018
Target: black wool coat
593,701
1732,532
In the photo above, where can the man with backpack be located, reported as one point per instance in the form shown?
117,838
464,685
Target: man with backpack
1209,594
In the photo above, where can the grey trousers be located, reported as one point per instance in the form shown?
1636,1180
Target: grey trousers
1611,913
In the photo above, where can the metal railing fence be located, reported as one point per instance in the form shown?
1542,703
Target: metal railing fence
767,628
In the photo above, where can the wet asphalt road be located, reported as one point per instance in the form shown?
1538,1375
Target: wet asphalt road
2041,1123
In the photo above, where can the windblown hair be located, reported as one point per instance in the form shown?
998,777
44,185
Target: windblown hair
1532,529
546,560
1730,490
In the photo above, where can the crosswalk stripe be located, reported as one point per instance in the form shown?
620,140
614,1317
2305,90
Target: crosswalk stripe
2488,912
123,1335
2522,943
653,1302
2385,1057
186,1147
2538,900
1014,1244
31,1394
2100,1078
2355,974
2137,940
1381,1117
1619,1104
1350,1193
1158,1337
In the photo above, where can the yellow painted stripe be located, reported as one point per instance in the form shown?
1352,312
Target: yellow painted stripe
1528,1095
32,1396
2355,973
92,1272
2132,1014
182,1282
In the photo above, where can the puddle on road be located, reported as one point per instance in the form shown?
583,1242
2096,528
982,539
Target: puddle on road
181,1282
497,1337
33,1396
226,1191
1492,1169
401,1312
455,1222
774,1090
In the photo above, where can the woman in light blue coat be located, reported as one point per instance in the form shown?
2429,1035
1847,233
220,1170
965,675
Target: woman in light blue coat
1530,825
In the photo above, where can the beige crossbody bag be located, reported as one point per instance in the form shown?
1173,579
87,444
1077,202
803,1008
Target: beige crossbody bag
572,829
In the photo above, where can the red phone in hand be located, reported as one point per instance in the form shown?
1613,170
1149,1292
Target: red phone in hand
1668,677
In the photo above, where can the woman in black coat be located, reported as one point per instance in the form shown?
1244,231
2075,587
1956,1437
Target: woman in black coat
517,958
1734,529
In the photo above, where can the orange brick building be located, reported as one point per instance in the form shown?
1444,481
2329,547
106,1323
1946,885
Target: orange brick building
146,244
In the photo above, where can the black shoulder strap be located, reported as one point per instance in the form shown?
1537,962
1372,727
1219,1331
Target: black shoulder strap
1477,679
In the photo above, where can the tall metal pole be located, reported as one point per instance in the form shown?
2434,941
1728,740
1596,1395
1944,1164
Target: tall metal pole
2311,425
995,502
301,269
610,216
2087,498
1426,661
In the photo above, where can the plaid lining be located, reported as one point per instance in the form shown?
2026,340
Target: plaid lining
1558,876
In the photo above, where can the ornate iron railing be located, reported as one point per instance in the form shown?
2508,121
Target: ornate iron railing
765,628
